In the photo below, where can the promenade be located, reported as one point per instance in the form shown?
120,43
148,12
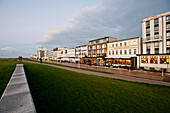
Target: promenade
134,76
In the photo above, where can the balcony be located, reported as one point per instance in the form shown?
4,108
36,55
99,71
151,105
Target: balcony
168,37
152,39
156,23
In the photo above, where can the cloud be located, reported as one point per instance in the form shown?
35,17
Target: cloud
117,18
7,49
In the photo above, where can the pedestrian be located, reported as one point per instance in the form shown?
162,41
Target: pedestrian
40,60
21,58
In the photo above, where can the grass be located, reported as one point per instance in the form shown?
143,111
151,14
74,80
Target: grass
7,67
57,90
70,66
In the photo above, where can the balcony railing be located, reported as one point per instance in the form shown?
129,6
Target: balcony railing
152,39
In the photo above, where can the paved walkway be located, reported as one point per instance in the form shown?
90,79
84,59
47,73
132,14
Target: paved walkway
115,76
120,71
17,97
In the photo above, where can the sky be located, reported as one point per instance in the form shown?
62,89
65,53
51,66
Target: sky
26,25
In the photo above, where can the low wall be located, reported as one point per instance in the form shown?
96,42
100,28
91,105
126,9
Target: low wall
17,97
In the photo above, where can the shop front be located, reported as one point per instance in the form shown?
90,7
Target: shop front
93,61
130,62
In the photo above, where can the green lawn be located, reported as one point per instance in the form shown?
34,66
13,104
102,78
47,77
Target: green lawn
69,66
57,90
7,67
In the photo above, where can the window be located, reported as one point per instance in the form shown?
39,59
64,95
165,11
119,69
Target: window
148,45
156,21
112,45
89,48
94,52
148,51
130,43
168,43
103,45
168,50
109,52
144,59
120,44
112,52
125,51
168,26
65,51
98,52
116,52
167,35
156,29
134,51
134,42
89,52
125,43
148,37
168,18
116,45
147,23
156,44
164,59
94,47
61,52
154,59
120,51
98,47
156,50
129,51
148,31
156,36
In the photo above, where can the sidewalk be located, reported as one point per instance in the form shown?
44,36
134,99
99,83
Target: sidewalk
120,71
115,76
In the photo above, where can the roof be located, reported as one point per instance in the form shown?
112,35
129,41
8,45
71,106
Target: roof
81,46
100,38
156,16
124,39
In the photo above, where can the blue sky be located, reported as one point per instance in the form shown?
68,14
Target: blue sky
27,24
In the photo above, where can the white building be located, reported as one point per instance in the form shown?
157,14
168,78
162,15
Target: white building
64,54
123,52
156,42
80,52
44,53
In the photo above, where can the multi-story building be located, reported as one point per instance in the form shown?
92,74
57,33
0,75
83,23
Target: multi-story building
64,54
155,42
97,51
81,52
42,53
122,53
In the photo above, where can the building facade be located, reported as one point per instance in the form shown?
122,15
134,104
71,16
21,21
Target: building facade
42,53
97,51
122,53
81,51
64,54
155,42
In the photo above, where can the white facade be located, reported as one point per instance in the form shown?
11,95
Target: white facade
64,54
156,43
81,51
124,48
156,34
42,52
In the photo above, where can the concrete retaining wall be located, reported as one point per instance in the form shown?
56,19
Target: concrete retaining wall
17,97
